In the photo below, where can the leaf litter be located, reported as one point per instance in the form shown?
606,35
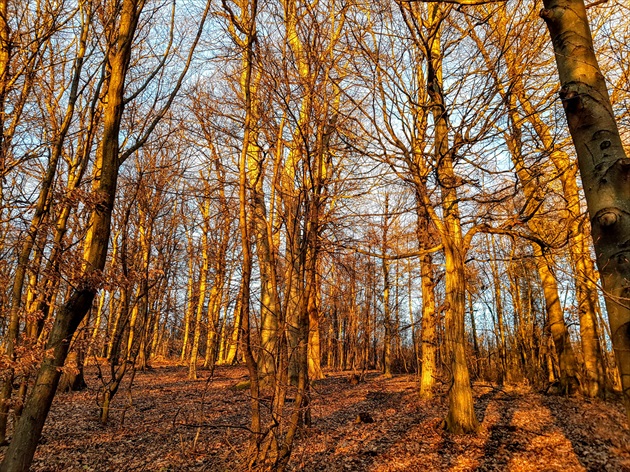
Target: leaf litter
169,423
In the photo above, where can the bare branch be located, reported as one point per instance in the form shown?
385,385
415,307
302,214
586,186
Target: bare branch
395,257
461,2
596,3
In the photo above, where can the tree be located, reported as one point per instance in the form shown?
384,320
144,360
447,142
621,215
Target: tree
120,36
601,157
28,429
604,166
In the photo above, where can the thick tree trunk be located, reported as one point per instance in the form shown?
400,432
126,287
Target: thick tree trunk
604,166
428,333
461,413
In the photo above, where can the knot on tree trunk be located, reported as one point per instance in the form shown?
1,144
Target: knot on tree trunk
571,99
607,217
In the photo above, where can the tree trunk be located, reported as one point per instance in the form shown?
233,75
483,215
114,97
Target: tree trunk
190,291
201,301
236,330
503,372
557,325
461,413
604,166
314,343
387,316
428,333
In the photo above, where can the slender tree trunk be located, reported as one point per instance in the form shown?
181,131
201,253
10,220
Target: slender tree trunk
314,343
498,300
214,312
557,325
270,306
190,305
236,330
414,337
201,302
473,328
387,316
244,225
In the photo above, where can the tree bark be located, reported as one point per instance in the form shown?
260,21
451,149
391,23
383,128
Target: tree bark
428,333
604,166
203,284
557,325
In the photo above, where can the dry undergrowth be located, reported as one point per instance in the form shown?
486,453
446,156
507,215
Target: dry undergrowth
168,423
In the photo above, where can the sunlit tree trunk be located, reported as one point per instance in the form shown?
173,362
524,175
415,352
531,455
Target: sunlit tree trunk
214,311
291,194
203,285
498,300
557,324
473,328
96,329
190,291
314,347
604,166
230,356
139,313
270,306
428,327
461,414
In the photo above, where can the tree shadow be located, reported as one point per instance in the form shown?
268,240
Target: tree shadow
587,444
450,449
502,442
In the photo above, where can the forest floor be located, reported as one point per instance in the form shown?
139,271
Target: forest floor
169,423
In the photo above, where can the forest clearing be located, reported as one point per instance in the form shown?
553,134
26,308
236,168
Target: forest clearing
170,423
